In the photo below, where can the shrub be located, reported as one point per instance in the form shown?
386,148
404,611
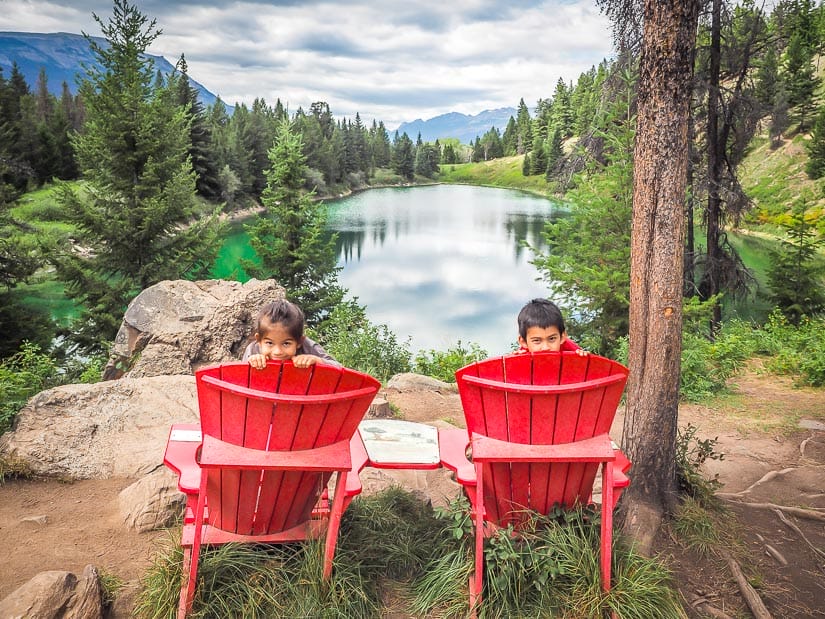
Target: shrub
443,365
350,337
22,375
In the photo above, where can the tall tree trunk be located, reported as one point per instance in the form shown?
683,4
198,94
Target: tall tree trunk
656,264
713,216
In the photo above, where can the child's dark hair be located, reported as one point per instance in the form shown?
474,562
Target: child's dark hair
539,313
282,312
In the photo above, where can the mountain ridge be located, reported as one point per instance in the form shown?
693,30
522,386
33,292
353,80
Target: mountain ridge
457,125
63,55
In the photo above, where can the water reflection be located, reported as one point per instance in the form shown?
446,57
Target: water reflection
444,263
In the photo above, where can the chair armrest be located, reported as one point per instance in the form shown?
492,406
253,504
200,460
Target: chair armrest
180,457
216,453
358,455
452,449
596,449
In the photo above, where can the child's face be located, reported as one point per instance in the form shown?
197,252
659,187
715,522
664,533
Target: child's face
276,342
541,339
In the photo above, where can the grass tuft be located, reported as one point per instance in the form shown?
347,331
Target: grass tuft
396,555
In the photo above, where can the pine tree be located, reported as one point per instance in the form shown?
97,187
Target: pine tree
554,153
794,276
800,76
815,167
290,239
403,156
136,215
200,136
587,260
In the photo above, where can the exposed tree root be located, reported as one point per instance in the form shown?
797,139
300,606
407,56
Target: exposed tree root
703,605
752,598
813,513
799,532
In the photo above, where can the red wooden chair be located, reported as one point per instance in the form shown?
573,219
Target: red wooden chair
537,426
271,440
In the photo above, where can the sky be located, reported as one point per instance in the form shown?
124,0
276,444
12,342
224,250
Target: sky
389,60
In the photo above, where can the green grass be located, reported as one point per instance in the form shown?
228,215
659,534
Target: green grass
396,556
503,172
775,177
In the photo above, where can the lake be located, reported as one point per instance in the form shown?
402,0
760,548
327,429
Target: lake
437,264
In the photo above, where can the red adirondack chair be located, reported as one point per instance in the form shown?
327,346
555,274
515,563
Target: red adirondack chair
271,440
537,425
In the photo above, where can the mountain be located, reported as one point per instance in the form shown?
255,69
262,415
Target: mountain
63,56
455,125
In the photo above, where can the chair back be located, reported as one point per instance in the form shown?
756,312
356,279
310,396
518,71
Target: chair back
539,399
279,408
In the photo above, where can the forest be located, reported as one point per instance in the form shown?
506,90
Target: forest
140,174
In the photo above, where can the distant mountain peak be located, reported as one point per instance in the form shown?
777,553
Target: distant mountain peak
457,125
63,54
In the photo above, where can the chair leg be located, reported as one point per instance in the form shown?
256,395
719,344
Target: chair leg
477,580
607,524
188,579
334,522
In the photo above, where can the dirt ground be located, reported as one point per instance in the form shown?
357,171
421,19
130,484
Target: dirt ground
772,436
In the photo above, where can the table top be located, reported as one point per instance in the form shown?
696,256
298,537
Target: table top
392,443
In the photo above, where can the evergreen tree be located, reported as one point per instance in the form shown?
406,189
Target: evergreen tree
538,158
136,214
554,153
815,166
587,260
525,165
200,136
510,138
800,76
524,141
290,239
795,278
403,156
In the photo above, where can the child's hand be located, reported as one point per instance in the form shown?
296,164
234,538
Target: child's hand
304,361
581,352
257,361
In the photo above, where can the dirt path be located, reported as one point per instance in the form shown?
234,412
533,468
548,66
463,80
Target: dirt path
49,525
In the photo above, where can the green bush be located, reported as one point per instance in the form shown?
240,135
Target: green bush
22,375
350,337
443,365
798,350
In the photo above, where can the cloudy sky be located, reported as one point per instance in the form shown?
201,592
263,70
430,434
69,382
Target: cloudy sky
393,60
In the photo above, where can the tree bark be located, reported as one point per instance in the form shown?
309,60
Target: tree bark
656,265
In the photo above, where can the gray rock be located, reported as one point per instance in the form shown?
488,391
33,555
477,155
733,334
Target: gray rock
56,595
174,327
152,502
417,382
109,429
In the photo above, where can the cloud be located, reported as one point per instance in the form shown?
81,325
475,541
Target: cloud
393,61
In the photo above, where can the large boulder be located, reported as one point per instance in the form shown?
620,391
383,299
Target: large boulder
176,326
108,429
56,595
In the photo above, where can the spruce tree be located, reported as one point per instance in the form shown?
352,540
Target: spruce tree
290,239
815,167
403,156
795,275
136,216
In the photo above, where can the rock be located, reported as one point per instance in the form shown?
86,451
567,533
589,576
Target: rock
35,519
109,429
176,326
417,382
56,595
152,502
